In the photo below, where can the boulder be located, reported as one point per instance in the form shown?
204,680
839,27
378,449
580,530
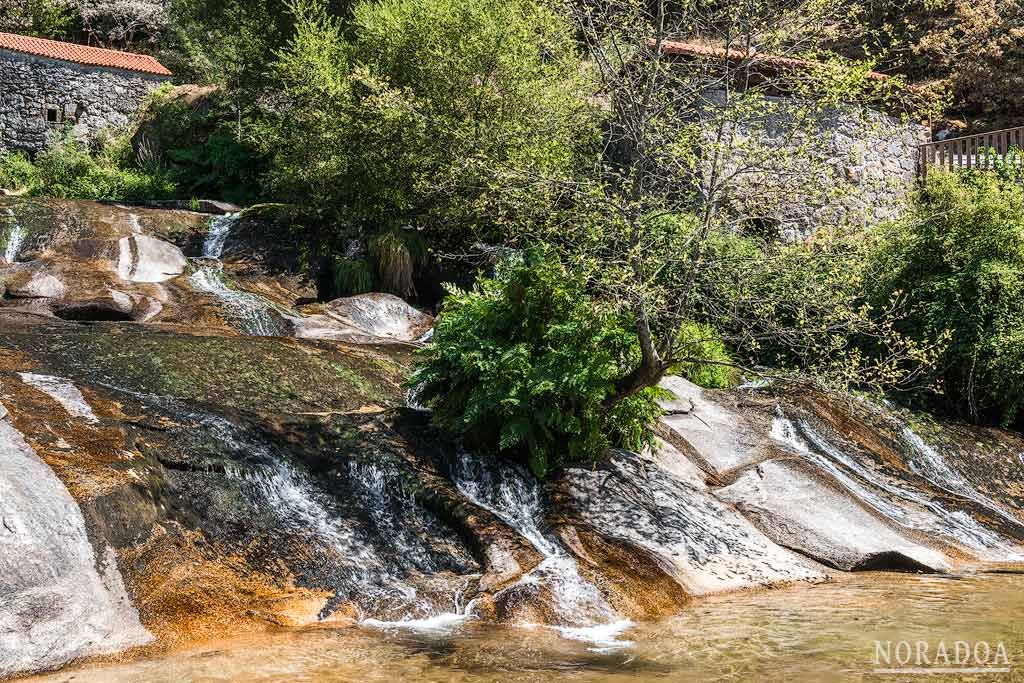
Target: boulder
802,510
35,285
719,438
367,318
58,601
705,545
148,259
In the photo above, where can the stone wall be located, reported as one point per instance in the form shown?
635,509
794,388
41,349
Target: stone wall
34,90
839,166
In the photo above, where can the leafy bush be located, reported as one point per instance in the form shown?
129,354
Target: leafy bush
523,364
68,170
17,172
958,261
193,133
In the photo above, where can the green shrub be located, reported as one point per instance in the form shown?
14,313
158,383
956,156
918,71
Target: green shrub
397,253
713,366
958,261
522,366
352,276
67,169
197,138
17,172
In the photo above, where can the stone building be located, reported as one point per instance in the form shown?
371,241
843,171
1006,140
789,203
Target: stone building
863,162
47,86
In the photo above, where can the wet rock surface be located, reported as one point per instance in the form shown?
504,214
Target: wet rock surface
188,448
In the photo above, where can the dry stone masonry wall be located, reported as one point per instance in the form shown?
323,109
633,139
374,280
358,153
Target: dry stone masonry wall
833,166
39,96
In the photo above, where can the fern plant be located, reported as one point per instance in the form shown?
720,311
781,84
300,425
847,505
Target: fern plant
522,365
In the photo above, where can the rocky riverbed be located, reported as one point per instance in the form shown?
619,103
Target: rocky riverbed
190,448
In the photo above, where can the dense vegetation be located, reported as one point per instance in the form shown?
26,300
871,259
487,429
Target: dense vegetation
592,186
525,363
958,261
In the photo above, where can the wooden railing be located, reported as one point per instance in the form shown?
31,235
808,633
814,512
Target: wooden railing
983,151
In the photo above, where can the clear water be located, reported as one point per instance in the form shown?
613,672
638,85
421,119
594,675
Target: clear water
805,634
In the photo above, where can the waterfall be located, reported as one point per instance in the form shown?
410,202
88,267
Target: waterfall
375,541
514,496
217,237
15,238
926,462
253,314
900,504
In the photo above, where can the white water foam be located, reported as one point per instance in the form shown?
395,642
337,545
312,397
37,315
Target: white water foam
440,624
252,312
63,392
15,239
514,497
604,638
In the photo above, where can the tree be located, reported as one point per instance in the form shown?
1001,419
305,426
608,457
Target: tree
40,18
958,260
691,143
399,123
972,50
122,23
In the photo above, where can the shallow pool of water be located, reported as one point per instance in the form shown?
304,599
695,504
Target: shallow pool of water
809,633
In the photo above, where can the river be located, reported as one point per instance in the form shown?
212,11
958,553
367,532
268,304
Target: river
823,633
229,483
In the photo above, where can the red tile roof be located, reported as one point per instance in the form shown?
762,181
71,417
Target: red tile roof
672,47
82,54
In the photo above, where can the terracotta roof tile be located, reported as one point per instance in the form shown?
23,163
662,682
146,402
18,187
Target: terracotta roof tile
672,47
82,54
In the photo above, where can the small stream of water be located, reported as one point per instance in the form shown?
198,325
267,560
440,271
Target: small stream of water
897,502
251,313
15,239
514,497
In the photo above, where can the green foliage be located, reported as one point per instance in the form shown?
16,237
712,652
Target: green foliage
17,172
352,276
403,122
195,137
67,169
712,366
40,18
523,365
397,253
958,261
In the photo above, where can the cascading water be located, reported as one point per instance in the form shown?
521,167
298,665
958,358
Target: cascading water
15,239
926,462
514,497
370,537
217,237
252,314
901,504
